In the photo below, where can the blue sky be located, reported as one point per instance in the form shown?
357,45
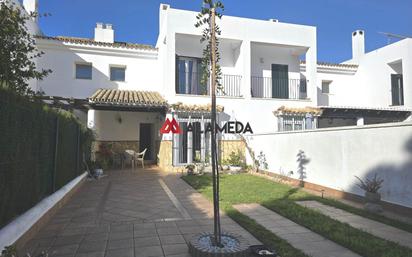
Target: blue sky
137,20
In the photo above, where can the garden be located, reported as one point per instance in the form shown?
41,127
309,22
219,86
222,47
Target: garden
281,198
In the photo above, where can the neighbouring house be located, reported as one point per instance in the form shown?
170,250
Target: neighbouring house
271,79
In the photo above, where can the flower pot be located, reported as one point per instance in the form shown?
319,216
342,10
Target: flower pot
235,168
98,172
372,197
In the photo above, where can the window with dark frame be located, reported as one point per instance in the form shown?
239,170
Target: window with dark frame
397,89
326,87
83,71
117,73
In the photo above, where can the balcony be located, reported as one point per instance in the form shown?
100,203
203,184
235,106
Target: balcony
188,83
267,87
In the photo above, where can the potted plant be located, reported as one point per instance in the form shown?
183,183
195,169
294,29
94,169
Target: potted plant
190,169
235,161
372,196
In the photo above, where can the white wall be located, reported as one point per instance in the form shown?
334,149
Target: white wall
374,74
370,86
177,22
142,68
108,128
343,90
271,54
337,155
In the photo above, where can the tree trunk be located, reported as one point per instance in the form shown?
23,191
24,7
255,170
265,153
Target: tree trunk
215,172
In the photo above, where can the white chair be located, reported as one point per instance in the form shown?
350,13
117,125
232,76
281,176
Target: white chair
136,156
140,156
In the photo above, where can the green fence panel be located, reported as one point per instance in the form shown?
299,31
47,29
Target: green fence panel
29,168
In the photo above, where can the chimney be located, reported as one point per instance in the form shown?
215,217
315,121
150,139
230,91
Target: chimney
162,14
358,45
32,7
104,33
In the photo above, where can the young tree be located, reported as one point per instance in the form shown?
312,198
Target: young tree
18,51
211,72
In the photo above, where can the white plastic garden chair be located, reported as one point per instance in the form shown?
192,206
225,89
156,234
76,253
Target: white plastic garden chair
136,156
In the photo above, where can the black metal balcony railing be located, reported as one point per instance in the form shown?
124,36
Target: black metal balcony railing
190,83
267,87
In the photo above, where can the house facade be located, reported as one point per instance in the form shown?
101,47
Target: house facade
271,79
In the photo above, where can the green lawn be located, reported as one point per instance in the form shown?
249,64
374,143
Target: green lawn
246,188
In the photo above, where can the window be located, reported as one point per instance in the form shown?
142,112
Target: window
117,73
397,89
83,71
326,87
188,76
293,123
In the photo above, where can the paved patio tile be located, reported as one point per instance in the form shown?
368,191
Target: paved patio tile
179,255
295,234
90,254
86,247
172,239
175,249
121,228
96,237
63,250
130,214
125,252
168,231
120,235
148,251
118,244
146,241
373,227
67,240
145,232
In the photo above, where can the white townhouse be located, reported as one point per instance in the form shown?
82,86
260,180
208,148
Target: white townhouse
271,79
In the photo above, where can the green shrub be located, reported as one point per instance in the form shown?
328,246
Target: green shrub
29,167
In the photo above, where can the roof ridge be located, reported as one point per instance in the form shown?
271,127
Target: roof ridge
346,65
93,42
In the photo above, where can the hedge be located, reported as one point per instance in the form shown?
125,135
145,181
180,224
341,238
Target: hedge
41,150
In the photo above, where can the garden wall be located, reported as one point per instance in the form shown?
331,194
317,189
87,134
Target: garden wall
41,150
335,156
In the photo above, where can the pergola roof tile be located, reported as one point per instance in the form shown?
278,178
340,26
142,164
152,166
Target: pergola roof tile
128,98
298,111
180,107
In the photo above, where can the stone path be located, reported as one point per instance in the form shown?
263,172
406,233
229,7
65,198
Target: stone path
298,236
372,227
140,213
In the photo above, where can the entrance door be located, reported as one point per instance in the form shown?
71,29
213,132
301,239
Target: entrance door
146,140
280,81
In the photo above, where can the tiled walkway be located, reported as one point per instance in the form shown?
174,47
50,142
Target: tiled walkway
141,213
298,236
373,227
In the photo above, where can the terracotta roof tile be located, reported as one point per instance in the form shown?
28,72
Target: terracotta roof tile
195,107
328,64
297,111
128,98
88,41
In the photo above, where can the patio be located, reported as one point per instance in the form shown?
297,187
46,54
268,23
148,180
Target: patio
141,213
